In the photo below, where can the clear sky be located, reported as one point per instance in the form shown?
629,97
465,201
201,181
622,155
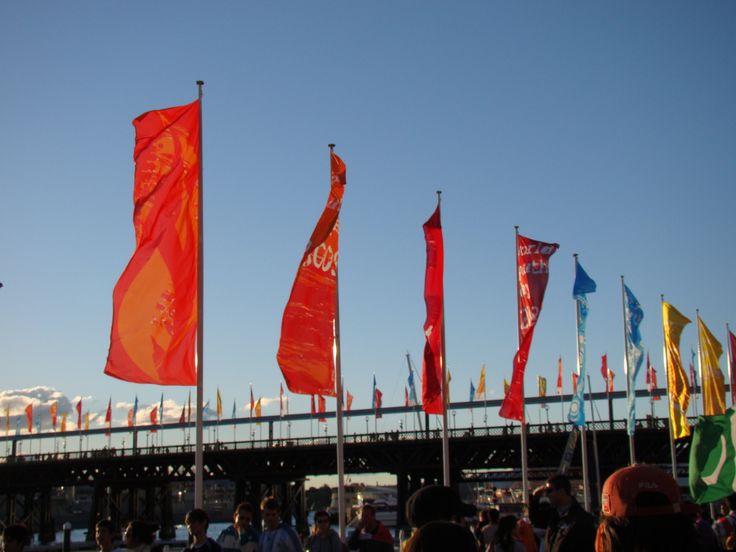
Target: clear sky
608,127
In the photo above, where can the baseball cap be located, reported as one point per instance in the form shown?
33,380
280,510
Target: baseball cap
435,502
640,490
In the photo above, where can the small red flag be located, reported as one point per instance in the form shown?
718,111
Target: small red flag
349,400
574,382
559,376
312,408
54,410
321,407
533,273
154,418
154,323
79,414
306,346
252,401
432,384
604,368
379,402
29,415
108,417
182,418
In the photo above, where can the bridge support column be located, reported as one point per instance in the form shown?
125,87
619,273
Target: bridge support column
402,494
114,506
46,533
132,503
167,513
149,507
97,512
10,509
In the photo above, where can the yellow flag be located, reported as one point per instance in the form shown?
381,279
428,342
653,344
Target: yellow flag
542,385
63,421
480,392
673,322
714,388
7,420
219,404
449,379
505,387
258,410
86,421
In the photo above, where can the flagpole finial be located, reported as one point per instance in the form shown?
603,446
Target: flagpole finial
575,255
331,146
661,297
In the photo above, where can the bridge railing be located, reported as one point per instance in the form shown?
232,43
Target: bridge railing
330,440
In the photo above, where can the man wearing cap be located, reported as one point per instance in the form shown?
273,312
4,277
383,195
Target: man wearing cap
571,529
641,510
371,535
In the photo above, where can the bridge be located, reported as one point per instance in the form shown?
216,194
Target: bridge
131,482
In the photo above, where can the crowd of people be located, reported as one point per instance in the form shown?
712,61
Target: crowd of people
642,510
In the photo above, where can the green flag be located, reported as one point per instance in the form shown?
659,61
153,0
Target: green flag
712,471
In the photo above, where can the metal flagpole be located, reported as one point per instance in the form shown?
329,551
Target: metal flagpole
728,361
700,363
524,475
338,391
667,367
595,441
445,390
632,452
583,439
198,451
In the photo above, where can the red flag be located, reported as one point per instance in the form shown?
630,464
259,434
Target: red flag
182,418
432,384
130,417
559,376
29,415
252,401
54,408
574,382
108,417
533,273
732,354
349,400
154,418
313,410
379,402
604,369
406,396
307,341
654,384
189,408
154,323
79,414
321,407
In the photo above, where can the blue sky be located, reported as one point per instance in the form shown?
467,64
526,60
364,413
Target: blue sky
605,127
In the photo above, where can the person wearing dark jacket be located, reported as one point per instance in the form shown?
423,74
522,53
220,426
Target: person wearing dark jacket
571,529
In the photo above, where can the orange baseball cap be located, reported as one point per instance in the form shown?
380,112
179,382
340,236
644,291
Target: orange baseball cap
634,490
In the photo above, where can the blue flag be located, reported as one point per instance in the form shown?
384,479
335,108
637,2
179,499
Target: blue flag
373,401
584,284
633,315
412,390
472,391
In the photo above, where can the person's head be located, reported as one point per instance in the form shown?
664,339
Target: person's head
321,522
197,522
493,515
104,532
436,502
368,516
540,508
724,509
139,532
642,510
506,530
440,536
14,538
243,515
270,512
558,490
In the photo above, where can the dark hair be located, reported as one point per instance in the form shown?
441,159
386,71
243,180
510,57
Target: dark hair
142,532
197,515
105,524
440,536
270,503
370,507
321,514
671,532
494,515
505,533
15,533
245,507
560,482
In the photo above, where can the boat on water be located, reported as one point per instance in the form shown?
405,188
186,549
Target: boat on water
382,498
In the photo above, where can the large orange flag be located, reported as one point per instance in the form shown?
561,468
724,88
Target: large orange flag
154,320
306,348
